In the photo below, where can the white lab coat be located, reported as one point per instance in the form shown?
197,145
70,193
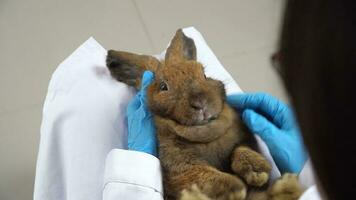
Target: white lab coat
82,152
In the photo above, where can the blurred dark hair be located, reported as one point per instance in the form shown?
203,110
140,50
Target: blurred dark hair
318,65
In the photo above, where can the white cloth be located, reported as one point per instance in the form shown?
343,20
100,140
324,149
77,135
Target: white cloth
311,193
307,179
83,130
306,176
83,120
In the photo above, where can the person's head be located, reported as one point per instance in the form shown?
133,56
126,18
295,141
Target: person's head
318,66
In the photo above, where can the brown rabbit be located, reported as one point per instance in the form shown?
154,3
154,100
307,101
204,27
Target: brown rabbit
202,142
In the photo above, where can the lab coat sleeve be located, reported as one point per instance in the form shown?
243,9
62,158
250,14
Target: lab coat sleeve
132,175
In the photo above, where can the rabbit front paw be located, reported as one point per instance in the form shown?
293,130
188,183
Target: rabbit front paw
251,166
286,188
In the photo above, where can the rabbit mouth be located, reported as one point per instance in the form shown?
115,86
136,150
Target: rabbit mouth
205,118
204,122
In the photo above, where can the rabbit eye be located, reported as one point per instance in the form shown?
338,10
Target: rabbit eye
163,86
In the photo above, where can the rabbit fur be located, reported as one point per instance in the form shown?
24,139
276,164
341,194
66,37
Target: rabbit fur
202,142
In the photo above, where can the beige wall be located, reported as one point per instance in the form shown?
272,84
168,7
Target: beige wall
36,35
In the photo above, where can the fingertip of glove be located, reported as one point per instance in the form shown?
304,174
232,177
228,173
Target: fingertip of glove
147,77
247,114
236,100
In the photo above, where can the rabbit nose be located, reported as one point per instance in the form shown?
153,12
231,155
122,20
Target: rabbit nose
199,104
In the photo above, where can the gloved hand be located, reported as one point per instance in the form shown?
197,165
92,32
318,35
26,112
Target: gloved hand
141,127
274,122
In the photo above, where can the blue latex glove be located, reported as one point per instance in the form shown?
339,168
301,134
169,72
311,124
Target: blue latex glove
141,128
274,122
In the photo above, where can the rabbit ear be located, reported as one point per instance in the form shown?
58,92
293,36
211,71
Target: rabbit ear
128,67
181,48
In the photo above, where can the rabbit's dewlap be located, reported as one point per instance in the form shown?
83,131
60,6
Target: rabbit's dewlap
200,137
